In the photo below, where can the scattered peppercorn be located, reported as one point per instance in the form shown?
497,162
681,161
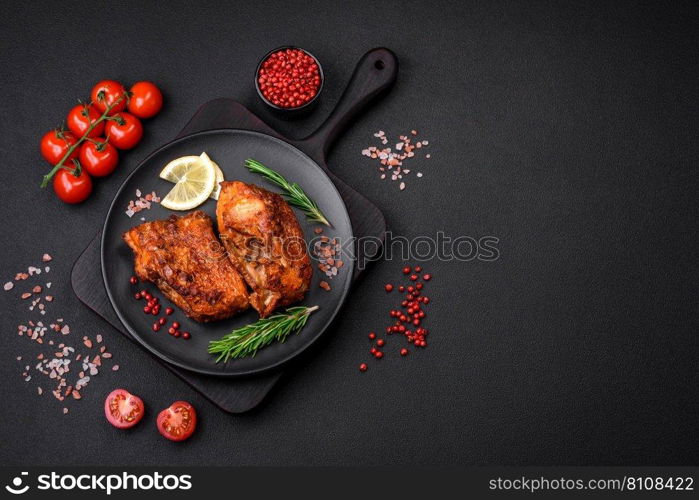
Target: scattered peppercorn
153,307
407,321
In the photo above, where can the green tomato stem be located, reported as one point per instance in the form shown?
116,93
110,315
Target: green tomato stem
61,164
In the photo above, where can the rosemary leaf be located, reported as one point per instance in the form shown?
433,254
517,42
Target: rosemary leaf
293,192
247,340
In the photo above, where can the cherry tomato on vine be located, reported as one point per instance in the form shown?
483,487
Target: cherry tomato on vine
123,409
177,422
99,158
106,93
124,130
146,100
71,188
81,117
55,144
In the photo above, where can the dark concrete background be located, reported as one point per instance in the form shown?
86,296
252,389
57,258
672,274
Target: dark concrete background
569,132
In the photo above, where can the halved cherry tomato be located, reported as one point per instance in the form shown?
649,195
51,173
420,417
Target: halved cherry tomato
123,409
99,158
80,118
71,188
146,100
106,93
124,131
55,144
177,422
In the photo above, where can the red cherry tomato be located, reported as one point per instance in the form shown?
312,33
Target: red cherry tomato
125,131
146,100
106,93
98,159
55,144
71,188
123,409
177,422
81,117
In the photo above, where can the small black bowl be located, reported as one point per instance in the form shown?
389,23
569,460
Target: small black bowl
290,112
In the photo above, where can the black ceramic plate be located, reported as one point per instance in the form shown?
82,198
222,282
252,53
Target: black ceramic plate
229,148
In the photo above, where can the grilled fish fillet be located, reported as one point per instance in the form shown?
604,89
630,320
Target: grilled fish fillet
265,243
183,257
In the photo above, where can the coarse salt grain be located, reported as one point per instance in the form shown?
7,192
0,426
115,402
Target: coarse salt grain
393,159
142,203
56,365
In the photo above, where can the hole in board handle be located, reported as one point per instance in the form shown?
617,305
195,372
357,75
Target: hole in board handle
379,64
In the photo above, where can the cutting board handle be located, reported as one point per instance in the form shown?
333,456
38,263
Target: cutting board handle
376,72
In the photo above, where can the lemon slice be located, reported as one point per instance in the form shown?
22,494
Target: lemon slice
219,176
194,180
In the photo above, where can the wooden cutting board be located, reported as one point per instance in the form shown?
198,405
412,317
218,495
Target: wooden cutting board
375,73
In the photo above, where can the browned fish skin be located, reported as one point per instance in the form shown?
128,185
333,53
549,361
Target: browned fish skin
265,243
183,257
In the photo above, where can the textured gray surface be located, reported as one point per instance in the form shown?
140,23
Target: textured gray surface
567,132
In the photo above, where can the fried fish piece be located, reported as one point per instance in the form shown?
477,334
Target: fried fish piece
183,257
265,243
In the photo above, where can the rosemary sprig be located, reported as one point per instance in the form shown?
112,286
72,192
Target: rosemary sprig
294,194
247,340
